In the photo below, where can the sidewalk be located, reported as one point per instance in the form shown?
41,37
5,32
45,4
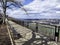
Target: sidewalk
26,33
29,37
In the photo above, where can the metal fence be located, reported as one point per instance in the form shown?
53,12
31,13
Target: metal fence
46,30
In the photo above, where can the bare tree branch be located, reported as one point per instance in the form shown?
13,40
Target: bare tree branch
14,3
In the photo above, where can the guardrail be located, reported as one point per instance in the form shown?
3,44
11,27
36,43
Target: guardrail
45,29
51,31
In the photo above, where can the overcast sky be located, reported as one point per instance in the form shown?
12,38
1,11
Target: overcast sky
36,9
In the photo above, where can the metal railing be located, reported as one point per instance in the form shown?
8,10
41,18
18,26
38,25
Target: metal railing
46,30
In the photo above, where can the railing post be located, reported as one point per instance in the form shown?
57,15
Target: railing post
56,34
36,27
22,23
27,24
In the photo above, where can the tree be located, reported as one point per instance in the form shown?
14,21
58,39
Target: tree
5,6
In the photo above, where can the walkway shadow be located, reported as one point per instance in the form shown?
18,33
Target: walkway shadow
16,35
43,41
31,40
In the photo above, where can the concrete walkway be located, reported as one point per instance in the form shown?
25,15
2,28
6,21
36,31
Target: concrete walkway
29,37
26,33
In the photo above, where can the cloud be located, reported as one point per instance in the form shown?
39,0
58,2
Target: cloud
17,13
38,9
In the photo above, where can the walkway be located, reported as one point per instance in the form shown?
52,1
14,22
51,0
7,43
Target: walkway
26,33
29,37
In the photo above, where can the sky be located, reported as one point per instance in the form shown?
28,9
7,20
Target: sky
36,9
27,2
